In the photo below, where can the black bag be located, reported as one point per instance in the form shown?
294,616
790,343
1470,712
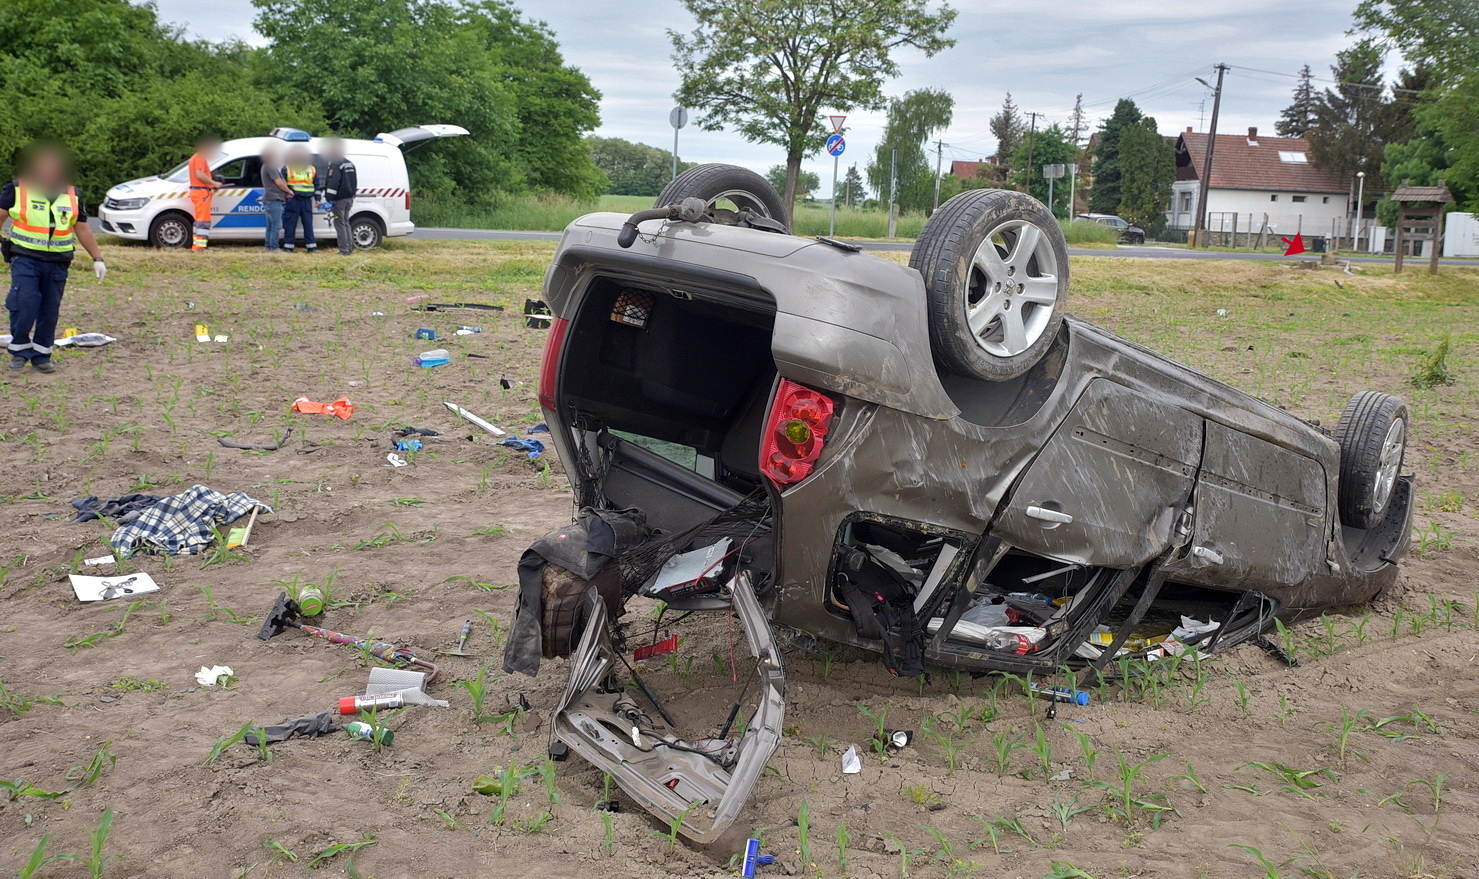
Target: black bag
881,603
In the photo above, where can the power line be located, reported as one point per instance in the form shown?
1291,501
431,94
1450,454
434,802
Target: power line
1363,85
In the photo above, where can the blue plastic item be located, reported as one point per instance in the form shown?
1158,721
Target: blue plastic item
424,333
435,357
534,447
1061,694
408,445
753,858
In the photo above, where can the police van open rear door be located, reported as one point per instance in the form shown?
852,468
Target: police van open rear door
419,135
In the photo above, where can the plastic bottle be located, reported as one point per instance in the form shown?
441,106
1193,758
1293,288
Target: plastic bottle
364,732
468,331
434,357
1019,640
311,601
356,704
1061,694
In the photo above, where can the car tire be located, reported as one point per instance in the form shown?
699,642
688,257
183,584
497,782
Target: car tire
366,231
1137,239
726,186
993,312
171,229
1372,433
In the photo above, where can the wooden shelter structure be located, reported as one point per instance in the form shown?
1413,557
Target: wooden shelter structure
1420,218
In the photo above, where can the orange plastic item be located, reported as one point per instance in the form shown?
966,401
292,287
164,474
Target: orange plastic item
340,408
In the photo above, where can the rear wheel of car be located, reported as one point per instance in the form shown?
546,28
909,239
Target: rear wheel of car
365,230
1373,441
995,268
171,229
726,187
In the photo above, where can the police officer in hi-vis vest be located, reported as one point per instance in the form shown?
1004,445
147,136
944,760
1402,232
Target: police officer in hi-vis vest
302,180
47,219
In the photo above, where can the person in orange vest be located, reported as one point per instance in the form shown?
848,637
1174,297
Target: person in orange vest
48,218
202,186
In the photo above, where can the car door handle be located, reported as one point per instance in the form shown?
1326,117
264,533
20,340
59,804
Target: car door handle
1047,515
1207,554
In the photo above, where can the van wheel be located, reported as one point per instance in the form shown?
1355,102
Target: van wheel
171,229
1372,433
366,231
995,268
726,187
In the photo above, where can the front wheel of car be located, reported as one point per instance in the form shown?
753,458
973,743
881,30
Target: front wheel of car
171,229
995,269
726,187
1373,442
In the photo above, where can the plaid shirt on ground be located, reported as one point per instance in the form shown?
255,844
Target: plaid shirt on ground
185,523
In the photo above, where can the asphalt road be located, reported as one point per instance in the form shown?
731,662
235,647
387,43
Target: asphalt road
1123,250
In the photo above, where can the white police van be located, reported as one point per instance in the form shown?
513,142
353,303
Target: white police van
157,209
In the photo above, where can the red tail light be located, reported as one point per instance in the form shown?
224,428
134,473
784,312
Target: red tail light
793,439
549,368
408,199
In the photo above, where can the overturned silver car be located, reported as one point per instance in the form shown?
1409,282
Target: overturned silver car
931,462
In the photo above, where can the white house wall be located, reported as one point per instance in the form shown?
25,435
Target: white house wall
1285,215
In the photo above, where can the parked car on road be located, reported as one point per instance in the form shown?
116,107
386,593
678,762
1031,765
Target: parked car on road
929,462
1129,234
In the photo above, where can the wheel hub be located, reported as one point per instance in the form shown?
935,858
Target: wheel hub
1392,447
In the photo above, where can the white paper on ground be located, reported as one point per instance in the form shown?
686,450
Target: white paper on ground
92,588
410,685
851,765
100,560
207,677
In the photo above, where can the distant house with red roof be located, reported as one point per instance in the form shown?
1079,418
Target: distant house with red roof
972,170
1253,176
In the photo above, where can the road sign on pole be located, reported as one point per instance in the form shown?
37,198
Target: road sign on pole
678,118
837,122
835,145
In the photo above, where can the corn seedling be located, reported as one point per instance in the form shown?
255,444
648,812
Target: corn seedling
1240,693
1002,745
38,860
1296,781
1043,749
477,693
1065,870
221,611
1270,869
675,824
880,730
1343,729
906,854
551,789
842,841
949,748
1066,812
1125,803
1086,750
75,643
803,835
225,742
341,848
96,861
608,825
1191,779
945,853
280,852
823,743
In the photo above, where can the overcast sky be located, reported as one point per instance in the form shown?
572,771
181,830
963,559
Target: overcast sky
1043,52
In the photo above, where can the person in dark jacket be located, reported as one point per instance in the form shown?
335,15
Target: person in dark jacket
47,219
341,182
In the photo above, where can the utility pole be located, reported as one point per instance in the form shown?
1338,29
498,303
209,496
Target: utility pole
1199,222
1030,132
893,184
939,162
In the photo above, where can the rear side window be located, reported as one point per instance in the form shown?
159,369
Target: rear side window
684,456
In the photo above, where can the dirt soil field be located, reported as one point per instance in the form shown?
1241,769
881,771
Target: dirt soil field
1361,761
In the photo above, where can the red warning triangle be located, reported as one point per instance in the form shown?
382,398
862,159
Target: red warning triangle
1296,245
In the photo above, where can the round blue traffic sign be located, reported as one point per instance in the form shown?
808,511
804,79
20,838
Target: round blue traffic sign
835,145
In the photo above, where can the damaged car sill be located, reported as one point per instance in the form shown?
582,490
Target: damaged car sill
703,783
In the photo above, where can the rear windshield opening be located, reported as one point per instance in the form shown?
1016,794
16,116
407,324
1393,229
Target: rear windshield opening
688,379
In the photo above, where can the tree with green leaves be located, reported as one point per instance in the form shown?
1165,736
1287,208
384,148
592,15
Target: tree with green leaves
1104,194
854,190
1049,146
632,168
912,120
1147,164
1008,129
476,64
1299,116
768,69
807,182
1441,40
1078,122
1347,134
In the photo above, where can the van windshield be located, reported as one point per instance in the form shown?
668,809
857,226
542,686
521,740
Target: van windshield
178,174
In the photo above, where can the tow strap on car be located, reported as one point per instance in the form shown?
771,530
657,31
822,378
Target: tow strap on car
880,601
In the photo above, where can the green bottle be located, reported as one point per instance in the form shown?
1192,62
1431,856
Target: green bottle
361,730
311,601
